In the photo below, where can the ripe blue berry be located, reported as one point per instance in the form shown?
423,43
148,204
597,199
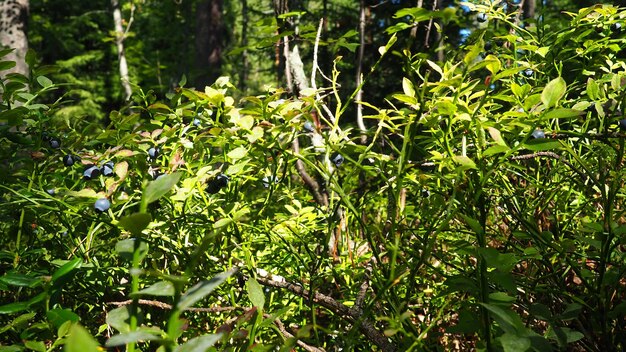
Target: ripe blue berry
528,72
482,17
102,205
154,152
616,27
51,191
337,159
538,134
308,127
622,124
197,122
91,172
69,160
54,143
107,168
268,180
219,182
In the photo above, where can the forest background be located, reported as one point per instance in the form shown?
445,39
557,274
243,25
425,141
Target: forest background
325,175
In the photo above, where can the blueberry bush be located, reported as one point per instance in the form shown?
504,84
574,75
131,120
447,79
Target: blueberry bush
483,209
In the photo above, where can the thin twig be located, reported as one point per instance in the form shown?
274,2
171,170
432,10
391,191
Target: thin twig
281,327
352,315
311,184
359,73
314,72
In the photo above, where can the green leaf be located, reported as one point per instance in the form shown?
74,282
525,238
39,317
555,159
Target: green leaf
160,187
5,65
496,149
119,319
501,297
13,307
66,269
464,161
569,334
58,316
201,290
199,344
19,322
129,337
255,293
125,249
20,280
553,92
161,288
492,63
407,87
542,144
593,90
80,340
508,320
237,153
135,223
562,113
514,343
35,346
222,223
472,223
44,81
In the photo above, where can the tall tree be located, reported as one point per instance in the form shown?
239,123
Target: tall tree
13,24
210,33
119,41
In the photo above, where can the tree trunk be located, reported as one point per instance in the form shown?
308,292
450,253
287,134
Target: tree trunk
529,9
13,24
209,42
243,74
121,55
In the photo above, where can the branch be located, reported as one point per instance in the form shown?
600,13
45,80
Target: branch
352,315
287,334
166,306
359,74
312,185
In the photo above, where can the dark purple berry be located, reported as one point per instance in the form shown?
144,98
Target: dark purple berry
54,143
102,205
488,46
622,124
